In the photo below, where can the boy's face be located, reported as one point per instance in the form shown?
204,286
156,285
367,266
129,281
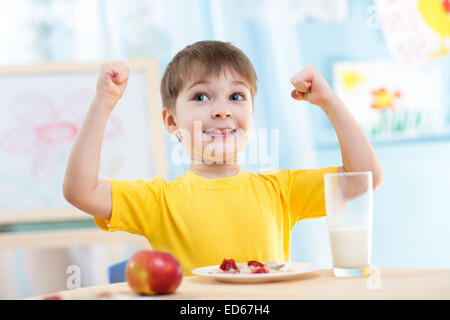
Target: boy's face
214,116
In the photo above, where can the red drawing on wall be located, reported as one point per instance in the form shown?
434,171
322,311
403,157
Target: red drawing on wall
43,130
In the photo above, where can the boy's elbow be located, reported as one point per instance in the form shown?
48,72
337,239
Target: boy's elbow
68,193
377,179
71,193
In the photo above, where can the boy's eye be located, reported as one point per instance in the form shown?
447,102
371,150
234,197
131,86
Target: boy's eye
237,96
200,97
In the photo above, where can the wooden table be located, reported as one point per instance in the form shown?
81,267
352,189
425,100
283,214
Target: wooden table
397,284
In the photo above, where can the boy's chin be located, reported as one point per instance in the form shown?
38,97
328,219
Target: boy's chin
217,152
218,158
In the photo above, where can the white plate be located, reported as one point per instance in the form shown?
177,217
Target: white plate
294,270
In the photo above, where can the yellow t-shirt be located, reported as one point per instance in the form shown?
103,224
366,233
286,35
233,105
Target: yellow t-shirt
202,221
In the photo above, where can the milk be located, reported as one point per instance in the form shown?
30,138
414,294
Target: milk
350,247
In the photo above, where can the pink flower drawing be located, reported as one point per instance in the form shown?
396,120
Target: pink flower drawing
43,130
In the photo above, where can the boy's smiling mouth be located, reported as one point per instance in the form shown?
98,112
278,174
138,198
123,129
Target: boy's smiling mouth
220,132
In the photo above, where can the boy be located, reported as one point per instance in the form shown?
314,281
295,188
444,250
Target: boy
215,210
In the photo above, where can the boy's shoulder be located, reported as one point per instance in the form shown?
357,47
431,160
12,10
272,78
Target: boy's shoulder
284,175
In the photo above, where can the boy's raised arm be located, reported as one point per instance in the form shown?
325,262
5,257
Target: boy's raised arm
82,188
356,150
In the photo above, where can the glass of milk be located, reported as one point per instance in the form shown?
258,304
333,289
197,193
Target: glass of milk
349,205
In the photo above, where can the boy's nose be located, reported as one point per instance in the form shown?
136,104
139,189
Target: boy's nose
223,113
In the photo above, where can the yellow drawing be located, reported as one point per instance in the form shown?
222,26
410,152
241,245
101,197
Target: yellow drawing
350,79
436,14
384,99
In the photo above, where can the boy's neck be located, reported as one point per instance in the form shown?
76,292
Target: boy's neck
215,171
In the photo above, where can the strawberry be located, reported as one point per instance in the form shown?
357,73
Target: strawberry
260,270
228,265
253,263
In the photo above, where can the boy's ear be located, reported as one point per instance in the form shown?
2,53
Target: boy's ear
169,120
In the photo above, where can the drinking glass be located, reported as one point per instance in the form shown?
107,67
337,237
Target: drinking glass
349,208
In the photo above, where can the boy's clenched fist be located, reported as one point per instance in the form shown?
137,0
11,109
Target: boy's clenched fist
311,86
112,81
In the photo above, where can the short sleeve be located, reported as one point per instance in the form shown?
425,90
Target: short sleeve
307,195
135,206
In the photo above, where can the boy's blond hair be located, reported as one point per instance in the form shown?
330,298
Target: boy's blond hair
208,58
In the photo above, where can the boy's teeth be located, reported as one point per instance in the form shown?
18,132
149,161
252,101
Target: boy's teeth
216,131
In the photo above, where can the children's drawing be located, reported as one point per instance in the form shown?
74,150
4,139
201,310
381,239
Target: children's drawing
390,100
351,79
384,99
436,14
415,30
42,129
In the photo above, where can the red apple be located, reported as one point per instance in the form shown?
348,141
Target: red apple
150,271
